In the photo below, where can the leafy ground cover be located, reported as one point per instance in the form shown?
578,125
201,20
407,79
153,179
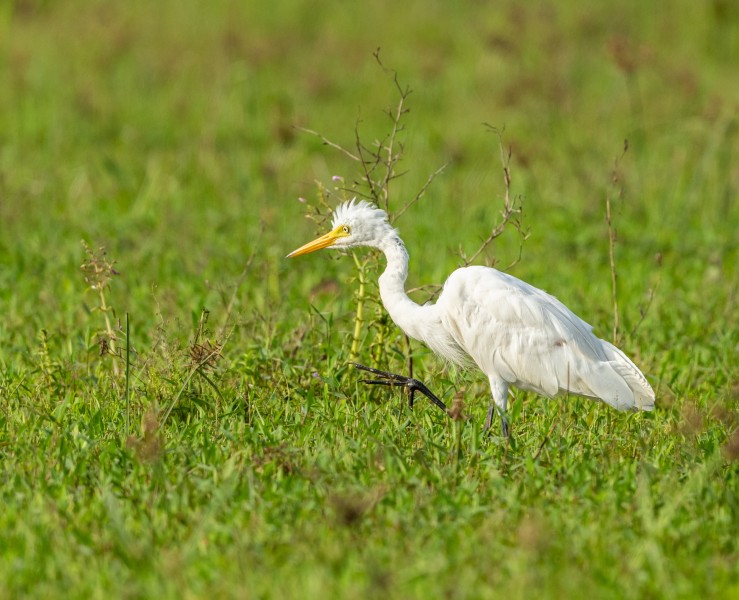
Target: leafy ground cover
177,415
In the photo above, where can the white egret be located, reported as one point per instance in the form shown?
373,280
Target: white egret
518,335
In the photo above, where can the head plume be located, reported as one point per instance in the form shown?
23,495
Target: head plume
367,224
354,224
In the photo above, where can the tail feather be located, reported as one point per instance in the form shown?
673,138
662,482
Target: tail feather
620,383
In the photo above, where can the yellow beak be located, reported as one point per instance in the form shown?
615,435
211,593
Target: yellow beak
322,242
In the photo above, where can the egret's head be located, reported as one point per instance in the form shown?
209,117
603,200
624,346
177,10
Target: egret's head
354,224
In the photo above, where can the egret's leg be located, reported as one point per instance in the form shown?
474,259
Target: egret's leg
491,414
504,429
394,380
499,389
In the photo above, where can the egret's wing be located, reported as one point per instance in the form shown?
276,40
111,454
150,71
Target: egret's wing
529,339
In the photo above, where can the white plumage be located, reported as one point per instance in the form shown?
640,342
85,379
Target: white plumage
515,333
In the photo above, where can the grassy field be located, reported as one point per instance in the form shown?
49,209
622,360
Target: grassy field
203,434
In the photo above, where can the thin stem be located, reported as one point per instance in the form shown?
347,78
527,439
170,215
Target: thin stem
358,317
611,256
612,238
511,212
410,354
379,344
391,157
331,144
421,192
108,327
128,378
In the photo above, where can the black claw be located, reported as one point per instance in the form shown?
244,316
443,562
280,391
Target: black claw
414,385
504,427
395,380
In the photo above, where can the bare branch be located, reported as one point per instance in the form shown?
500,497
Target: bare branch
386,153
370,160
421,192
328,142
436,287
391,157
511,213
643,310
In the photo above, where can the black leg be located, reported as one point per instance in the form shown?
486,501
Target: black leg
394,380
489,419
504,429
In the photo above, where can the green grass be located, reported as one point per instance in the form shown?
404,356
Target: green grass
166,135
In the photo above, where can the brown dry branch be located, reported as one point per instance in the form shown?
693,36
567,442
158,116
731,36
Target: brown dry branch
391,156
420,192
205,355
330,143
512,209
378,162
510,216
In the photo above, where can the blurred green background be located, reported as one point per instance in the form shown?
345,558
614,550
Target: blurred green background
166,133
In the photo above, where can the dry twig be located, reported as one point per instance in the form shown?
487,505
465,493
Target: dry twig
511,213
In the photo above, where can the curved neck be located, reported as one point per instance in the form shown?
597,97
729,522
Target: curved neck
404,312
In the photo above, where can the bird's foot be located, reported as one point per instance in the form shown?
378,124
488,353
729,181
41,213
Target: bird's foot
504,429
395,380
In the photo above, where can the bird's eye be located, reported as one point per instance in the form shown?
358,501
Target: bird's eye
345,228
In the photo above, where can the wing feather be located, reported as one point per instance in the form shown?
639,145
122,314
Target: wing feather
529,339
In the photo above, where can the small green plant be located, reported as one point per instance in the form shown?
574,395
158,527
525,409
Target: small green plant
99,271
203,356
